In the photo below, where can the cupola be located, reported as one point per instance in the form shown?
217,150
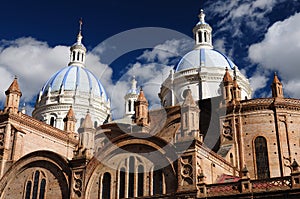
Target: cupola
202,33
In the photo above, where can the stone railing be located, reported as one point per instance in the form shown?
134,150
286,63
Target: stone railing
247,186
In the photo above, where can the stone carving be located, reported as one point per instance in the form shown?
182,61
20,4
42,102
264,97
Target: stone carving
77,187
187,170
227,130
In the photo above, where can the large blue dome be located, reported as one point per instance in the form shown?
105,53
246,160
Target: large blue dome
204,57
75,78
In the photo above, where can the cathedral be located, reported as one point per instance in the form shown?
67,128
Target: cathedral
209,138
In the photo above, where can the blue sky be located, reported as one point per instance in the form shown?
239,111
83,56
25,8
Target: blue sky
260,36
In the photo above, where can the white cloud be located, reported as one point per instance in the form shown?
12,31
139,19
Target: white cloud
171,48
279,51
150,70
258,81
34,62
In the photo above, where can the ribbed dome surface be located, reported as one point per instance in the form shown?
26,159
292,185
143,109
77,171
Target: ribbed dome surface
204,57
73,78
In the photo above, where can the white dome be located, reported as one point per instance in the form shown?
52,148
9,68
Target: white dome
75,78
204,57
74,86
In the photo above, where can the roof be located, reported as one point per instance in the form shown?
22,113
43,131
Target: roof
73,78
14,87
198,58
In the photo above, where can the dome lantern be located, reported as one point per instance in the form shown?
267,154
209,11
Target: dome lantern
202,33
78,51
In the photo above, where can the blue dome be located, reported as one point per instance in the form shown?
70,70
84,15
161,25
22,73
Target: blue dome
204,57
75,78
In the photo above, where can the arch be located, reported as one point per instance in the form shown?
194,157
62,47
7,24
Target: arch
261,158
78,55
47,161
164,155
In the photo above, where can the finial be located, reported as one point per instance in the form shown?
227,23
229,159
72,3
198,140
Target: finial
79,36
202,16
133,83
16,77
80,24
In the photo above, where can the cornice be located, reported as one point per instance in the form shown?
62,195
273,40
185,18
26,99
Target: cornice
25,120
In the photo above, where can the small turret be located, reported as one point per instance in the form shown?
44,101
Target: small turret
202,33
236,91
276,86
227,86
70,121
13,95
141,110
87,135
189,118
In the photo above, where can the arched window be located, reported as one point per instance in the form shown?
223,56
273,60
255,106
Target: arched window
131,177
262,160
52,121
106,186
157,182
28,190
82,57
73,56
129,105
122,183
78,54
95,124
37,191
205,36
140,180
200,36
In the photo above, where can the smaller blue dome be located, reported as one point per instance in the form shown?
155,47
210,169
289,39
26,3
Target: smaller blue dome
204,57
73,78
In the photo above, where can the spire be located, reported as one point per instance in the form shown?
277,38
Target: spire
227,86
78,51
276,86
70,121
13,95
227,76
202,33
14,87
141,110
141,97
87,122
